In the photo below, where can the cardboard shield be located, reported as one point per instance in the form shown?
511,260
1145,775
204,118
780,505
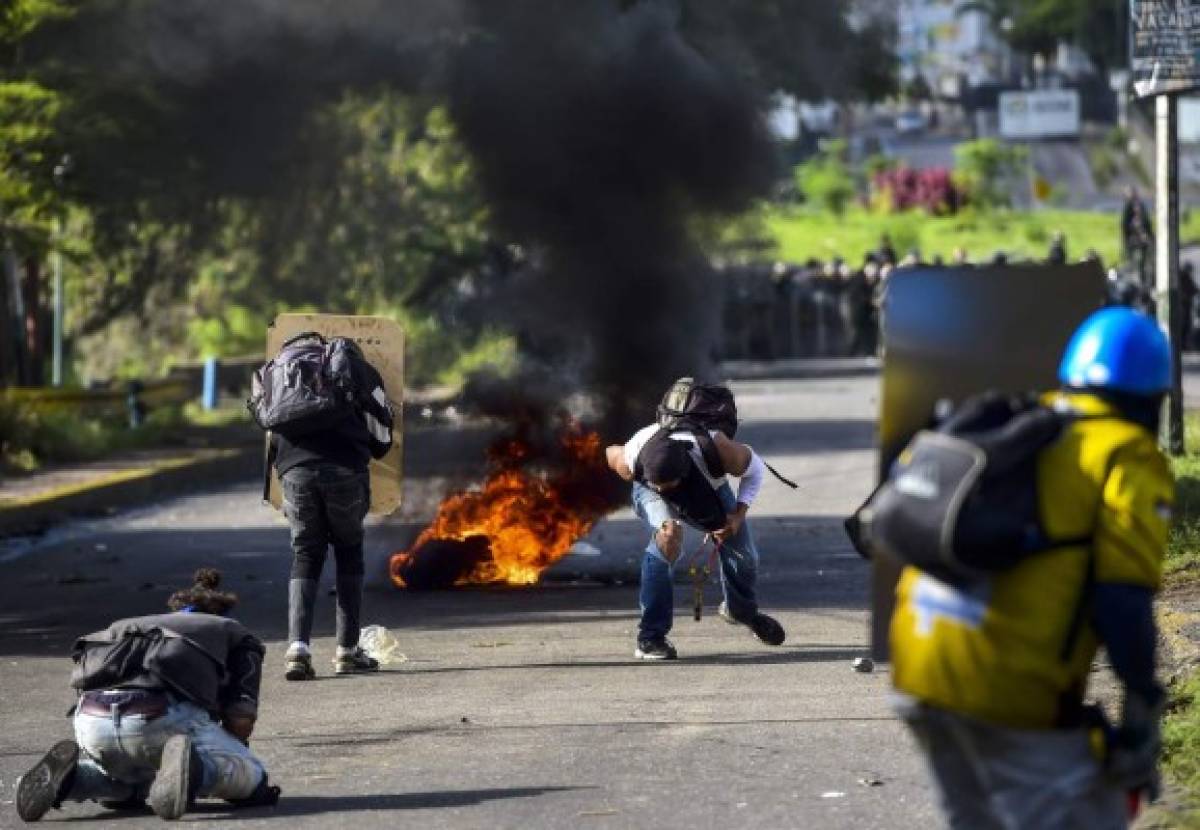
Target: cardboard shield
382,342
955,332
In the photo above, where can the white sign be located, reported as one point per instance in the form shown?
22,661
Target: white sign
1039,113
1189,119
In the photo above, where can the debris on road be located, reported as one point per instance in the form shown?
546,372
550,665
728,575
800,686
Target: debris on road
865,665
380,644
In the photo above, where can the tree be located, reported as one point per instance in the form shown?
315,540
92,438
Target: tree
303,153
812,50
1098,27
984,167
825,179
29,200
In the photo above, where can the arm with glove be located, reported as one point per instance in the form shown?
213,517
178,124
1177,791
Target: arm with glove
1123,617
1129,544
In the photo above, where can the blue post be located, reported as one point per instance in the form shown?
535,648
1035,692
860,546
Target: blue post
208,396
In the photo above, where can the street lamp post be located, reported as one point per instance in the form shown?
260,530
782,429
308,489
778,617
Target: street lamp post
56,373
56,370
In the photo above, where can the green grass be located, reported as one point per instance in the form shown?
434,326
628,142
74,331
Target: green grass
30,439
1181,750
1181,728
1183,545
800,234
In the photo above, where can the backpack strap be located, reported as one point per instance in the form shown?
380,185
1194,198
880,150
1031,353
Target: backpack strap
708,447
712,458
304,335
639,472
775,473
1081,606
1089,579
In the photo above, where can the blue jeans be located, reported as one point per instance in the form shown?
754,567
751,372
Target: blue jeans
738,557
120,754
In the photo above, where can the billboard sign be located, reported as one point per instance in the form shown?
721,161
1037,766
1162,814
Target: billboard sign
1039,113
1164,45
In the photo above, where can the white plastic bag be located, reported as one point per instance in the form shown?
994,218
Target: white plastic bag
379,644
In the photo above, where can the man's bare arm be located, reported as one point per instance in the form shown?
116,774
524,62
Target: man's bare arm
735,456
615,455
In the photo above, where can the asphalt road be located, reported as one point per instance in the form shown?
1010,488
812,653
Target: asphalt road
520,708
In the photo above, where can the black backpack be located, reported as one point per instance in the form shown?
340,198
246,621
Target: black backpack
697,408
961,500
308,386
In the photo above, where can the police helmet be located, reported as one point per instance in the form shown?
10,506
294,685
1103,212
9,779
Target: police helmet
1118,349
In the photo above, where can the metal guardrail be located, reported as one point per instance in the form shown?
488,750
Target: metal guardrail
112,400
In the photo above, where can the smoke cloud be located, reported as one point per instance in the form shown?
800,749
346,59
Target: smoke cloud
599,137
600,132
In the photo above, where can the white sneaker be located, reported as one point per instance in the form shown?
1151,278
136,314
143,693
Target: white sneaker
298,649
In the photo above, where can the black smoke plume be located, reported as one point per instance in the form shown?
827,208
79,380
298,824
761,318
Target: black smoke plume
600,135
600,132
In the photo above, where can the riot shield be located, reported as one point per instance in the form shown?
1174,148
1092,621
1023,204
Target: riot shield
382,342
954,332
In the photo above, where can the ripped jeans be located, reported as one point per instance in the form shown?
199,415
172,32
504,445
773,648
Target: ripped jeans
120,754
738,557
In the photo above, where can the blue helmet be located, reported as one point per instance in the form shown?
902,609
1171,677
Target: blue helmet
1120,350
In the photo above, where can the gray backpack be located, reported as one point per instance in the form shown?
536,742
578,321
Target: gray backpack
961,501
307,387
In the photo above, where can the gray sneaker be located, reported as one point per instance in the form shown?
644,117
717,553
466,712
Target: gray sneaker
356,662
300,667
178,778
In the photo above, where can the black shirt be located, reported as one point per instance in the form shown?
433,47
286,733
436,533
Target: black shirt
346,445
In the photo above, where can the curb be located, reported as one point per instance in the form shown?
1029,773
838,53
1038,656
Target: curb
799,368
128,488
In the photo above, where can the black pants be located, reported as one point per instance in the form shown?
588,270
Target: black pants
325,505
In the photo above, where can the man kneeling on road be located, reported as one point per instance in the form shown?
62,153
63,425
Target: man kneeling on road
167,705
671,482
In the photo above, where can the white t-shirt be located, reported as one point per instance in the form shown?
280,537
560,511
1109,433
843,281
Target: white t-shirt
633,448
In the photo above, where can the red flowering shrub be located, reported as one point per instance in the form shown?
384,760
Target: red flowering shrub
932,190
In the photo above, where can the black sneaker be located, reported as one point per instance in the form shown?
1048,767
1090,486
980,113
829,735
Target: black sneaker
264,795
178,779
47,784
356,662
766,628
657,649
135,803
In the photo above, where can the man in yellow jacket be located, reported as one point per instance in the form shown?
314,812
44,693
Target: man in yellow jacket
991,678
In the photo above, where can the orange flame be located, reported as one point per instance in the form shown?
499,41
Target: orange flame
530,518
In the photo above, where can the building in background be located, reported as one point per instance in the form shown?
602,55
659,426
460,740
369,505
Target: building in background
946,49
